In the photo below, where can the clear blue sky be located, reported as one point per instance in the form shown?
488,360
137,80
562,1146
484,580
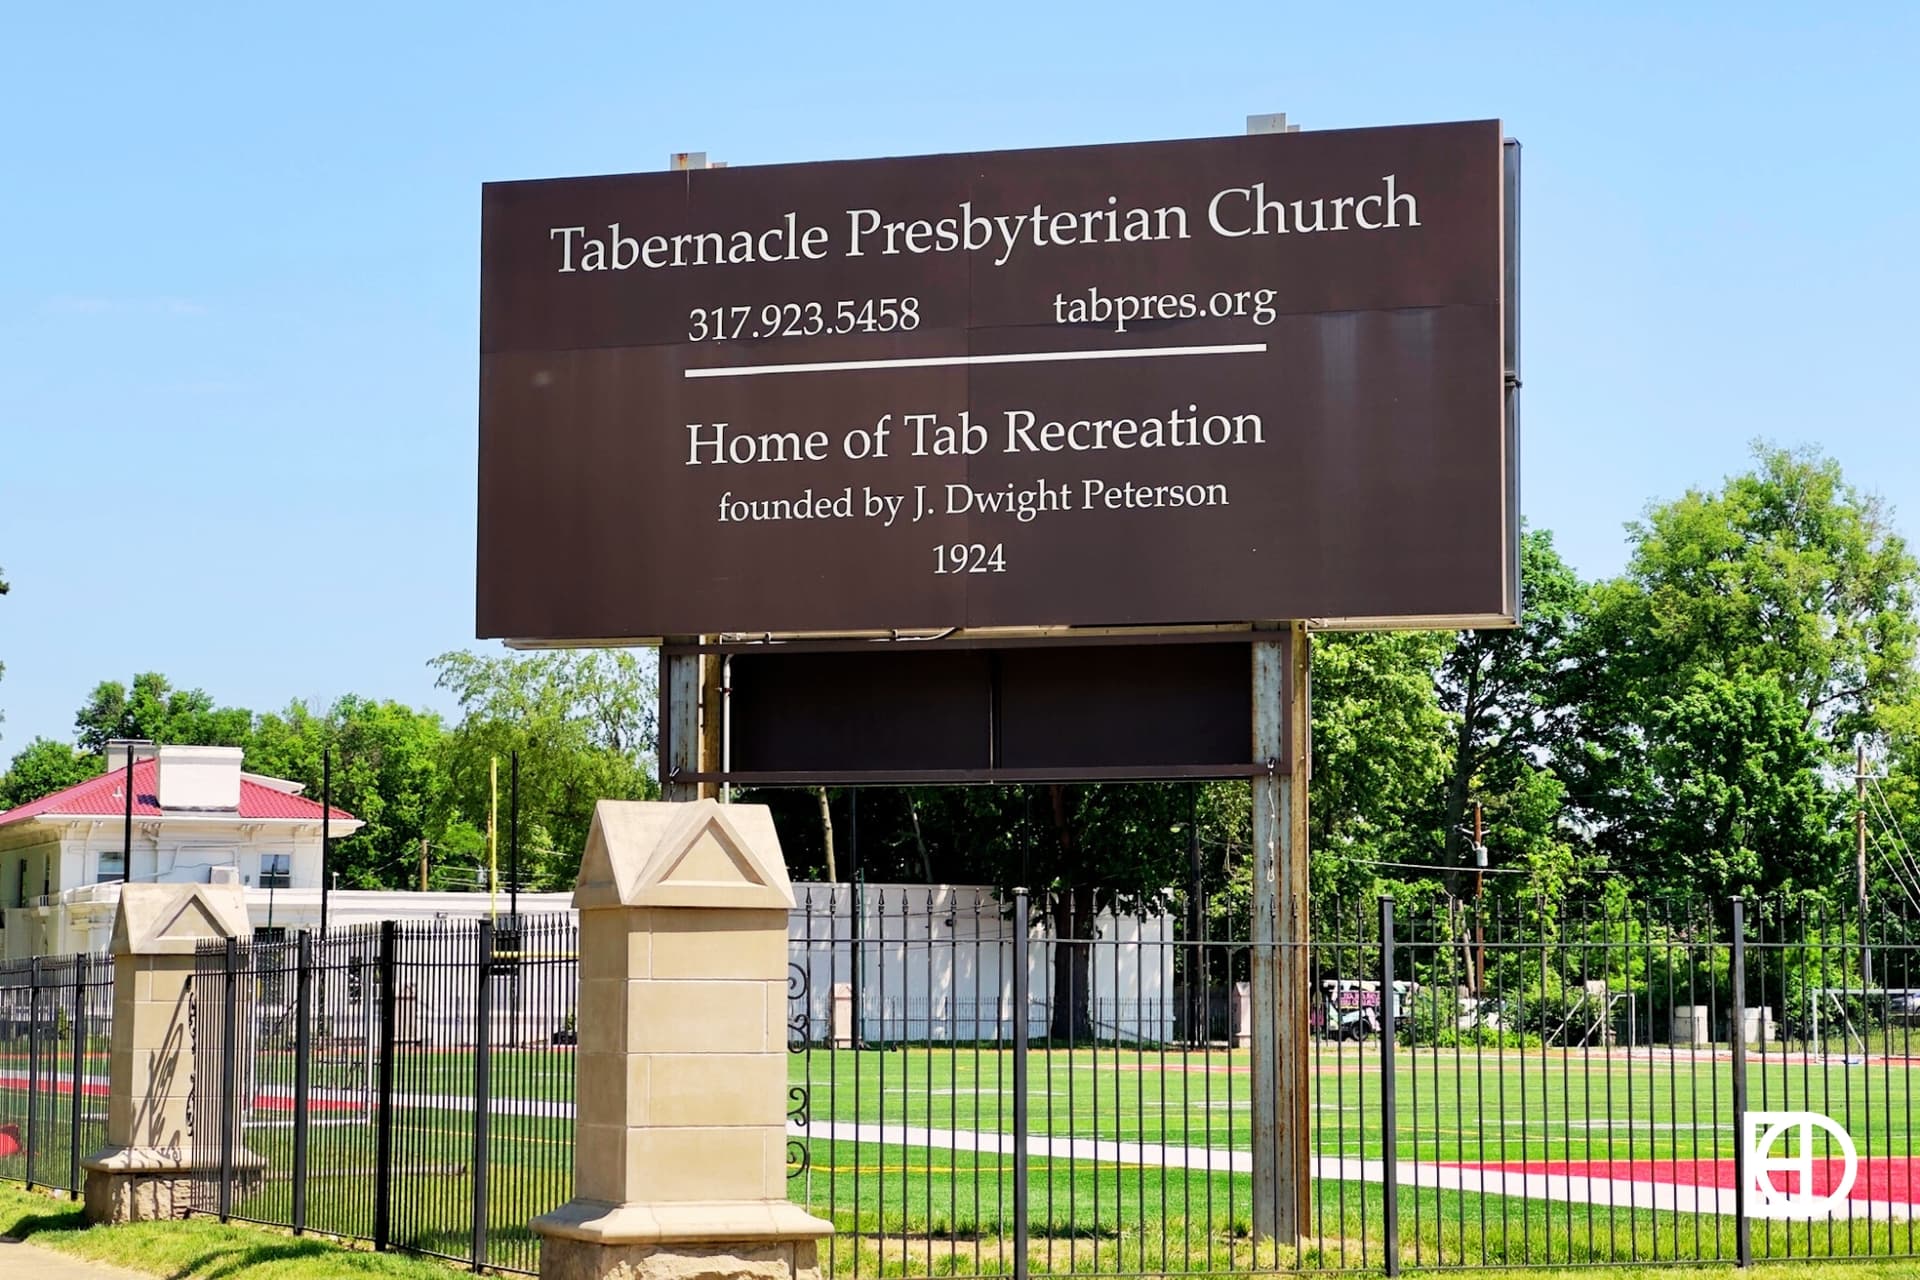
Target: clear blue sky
239,257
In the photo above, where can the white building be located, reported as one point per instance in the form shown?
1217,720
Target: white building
936,962
197,818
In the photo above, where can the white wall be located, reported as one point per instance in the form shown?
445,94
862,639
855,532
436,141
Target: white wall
179,851
936,963
931,962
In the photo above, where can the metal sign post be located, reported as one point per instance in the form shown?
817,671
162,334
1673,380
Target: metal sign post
1279,963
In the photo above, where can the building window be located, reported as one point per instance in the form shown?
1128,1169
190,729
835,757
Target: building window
20,886
113,867
276,871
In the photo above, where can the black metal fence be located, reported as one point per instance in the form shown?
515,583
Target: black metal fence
56,1022
409,1083
1510,1086
985,1084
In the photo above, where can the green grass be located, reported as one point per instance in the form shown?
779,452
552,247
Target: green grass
529,1171
1453,1105
917,1207
198,1249
1546,1103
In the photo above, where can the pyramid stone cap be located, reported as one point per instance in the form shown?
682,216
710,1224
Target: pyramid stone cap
171,919
694,854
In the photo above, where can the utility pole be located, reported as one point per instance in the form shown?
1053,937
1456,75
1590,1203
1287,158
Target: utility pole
326,831
513,846
1860,857
126,848
423,864
1479,889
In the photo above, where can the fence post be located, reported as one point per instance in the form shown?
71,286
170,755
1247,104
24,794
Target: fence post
79,1073
302,1073
229,1069
680,1149
33,1061
1021,953
482,1091
1737,1010
383,1157
146,1170
1389,1114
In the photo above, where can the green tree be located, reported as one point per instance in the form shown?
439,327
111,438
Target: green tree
1757,629
388,771
1526,832
154,710
1737,800
583,725
1380,754
41,768
1504,690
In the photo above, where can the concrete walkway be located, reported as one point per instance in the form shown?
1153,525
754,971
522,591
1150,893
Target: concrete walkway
29,1262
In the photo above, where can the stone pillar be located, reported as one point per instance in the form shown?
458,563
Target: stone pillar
143,1171
680,1166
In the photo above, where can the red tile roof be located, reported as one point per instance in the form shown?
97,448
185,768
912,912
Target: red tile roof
102,797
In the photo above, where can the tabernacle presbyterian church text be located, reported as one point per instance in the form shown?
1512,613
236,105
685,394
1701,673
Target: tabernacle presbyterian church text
1230,213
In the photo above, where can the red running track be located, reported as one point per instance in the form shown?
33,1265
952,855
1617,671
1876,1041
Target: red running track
1894,1178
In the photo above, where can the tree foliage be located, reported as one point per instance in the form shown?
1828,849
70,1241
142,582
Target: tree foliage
41,768
153,710
1502,689
1380,753
387,772
583,726
1757,629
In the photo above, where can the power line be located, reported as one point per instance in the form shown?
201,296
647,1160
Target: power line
1883,815
1431,869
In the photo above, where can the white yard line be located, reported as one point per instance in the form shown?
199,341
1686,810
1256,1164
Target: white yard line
1618,1193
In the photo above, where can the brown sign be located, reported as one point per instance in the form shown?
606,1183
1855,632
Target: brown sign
1211,381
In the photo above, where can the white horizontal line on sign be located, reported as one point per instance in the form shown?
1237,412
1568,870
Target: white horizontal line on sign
1018,357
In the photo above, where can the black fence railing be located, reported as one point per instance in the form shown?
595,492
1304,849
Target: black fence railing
985,1084
56,1022
409,1084
1516,1086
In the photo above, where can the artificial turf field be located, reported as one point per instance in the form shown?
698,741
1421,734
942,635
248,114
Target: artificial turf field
1139,1158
